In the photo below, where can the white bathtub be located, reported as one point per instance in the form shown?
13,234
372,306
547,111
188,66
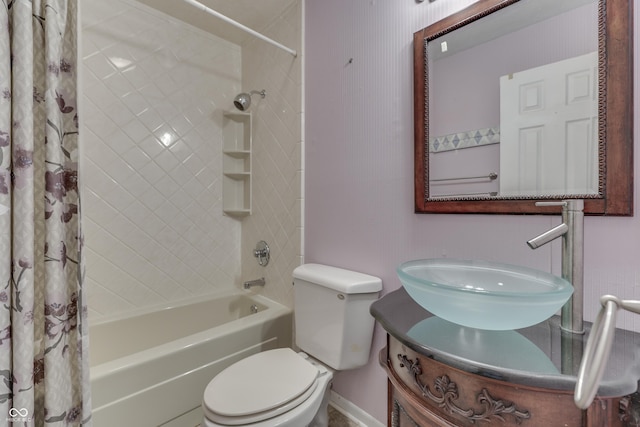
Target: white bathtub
151,369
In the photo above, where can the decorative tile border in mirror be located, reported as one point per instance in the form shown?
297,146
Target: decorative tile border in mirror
471,138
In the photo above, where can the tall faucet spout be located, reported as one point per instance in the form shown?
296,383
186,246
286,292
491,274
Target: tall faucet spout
548,236
572,232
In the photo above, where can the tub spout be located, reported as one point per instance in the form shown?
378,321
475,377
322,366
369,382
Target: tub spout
257,282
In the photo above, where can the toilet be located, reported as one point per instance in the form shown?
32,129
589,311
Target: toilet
283,388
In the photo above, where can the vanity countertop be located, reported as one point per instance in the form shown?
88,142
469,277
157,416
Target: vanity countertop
539,356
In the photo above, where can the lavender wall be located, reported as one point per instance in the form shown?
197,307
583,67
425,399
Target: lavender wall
359,173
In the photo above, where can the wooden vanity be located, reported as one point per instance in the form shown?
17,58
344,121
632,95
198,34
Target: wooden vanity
441,384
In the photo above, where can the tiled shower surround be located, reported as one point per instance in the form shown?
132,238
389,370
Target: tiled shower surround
277,152
154,92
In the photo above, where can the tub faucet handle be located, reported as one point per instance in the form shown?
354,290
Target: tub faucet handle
262,253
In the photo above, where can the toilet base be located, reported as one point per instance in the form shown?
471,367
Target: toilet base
322,416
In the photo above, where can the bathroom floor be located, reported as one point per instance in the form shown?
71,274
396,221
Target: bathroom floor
336,419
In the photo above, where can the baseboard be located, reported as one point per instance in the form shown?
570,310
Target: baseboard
353,412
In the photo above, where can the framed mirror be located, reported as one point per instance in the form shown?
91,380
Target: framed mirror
517,101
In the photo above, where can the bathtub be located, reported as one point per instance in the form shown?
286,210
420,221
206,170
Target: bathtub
151,369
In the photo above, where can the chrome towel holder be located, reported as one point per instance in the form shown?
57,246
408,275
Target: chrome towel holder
598,348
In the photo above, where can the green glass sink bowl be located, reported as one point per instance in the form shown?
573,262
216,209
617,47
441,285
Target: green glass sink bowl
484,294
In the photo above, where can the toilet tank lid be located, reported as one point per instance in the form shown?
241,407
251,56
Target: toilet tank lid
341,280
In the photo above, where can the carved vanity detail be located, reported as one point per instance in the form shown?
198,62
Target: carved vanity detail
447,396
428,387
424,392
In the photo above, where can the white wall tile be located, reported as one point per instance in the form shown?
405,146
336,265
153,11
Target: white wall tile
276,157
152,141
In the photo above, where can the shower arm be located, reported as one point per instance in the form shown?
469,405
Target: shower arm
240,26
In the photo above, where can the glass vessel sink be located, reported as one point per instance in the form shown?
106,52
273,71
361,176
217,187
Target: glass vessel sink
483,294
504,349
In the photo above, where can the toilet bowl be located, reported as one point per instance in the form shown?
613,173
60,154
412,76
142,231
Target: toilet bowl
275,388
282,388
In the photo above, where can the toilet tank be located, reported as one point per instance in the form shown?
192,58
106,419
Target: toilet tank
331,311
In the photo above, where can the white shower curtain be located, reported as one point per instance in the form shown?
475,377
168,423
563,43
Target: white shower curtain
44,374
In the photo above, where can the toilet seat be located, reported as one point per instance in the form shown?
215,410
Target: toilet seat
259,387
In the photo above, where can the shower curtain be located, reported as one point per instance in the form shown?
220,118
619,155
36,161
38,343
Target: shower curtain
44,369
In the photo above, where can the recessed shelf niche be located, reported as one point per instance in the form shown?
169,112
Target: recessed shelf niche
236,163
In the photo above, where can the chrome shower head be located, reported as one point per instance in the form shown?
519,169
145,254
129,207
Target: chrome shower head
243,100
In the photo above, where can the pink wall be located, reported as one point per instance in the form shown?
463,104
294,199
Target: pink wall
359,173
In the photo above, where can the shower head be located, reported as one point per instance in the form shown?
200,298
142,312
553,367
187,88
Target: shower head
243,100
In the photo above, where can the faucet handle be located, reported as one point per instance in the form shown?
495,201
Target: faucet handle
262,252
569,204
553,203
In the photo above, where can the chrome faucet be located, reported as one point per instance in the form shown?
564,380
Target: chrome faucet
257,282
572,232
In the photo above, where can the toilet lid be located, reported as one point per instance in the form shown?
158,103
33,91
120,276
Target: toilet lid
259,383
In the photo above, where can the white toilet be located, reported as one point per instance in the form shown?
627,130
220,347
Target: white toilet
282,388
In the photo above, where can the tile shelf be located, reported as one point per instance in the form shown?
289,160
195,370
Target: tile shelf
237,154
236,164
239,176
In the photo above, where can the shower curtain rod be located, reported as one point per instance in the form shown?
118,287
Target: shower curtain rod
240,26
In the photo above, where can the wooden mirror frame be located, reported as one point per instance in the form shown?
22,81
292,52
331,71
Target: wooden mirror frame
615,52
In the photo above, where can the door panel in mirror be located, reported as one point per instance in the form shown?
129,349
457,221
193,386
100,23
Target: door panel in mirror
549,130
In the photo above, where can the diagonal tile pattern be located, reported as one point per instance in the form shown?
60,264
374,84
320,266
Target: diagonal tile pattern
277,155
472,138
154,91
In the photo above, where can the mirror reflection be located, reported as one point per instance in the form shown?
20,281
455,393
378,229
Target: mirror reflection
513,104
